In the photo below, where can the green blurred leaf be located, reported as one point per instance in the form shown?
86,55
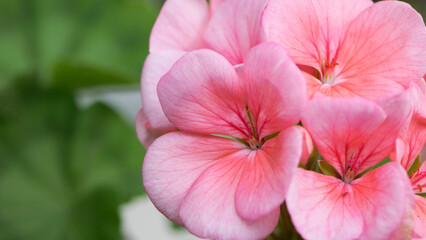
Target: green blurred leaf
72,76
104,34
63,171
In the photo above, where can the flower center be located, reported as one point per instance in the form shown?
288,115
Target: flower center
252,140
328,71
352,166
254,143
415,180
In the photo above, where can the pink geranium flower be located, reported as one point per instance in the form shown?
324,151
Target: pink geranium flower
353,135
418,181
408,147
225,174
352,47
230,28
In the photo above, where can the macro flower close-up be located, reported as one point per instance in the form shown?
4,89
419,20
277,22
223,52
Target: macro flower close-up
232,160
352,47
213,119
296,119
230,28
350,201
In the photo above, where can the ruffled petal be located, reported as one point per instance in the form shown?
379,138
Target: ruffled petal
339,125
310,30
384,45
354,88
175,161
267,175
275,88
420,218
355,130
307,144
313,84
208,210
214,4
155,67
180,26
235,28
371,207
202,94
146,134
413,136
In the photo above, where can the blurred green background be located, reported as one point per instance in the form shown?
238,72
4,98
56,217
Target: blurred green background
65,169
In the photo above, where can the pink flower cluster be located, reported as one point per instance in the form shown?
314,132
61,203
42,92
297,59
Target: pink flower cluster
240,96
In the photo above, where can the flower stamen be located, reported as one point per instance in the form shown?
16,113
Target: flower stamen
352,168
328,71
253,140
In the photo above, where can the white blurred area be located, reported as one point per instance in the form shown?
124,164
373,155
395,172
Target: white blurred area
140,220
125,100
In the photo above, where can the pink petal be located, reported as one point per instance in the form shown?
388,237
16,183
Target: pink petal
267,175
420,218
156,66
308,29
346,129
208,210
201,93
307,145
407,224
379,145
413,135
399,152
214,4
421,83
371,207
275,88
175,161
384,45
147,134
355,88
312,84
204,178
234,28
338,125
405,229
180,26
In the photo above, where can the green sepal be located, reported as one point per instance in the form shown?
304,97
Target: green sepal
328,169
386,160
421,194
270,136
363,173
415,166
313,157
227,137
232,138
